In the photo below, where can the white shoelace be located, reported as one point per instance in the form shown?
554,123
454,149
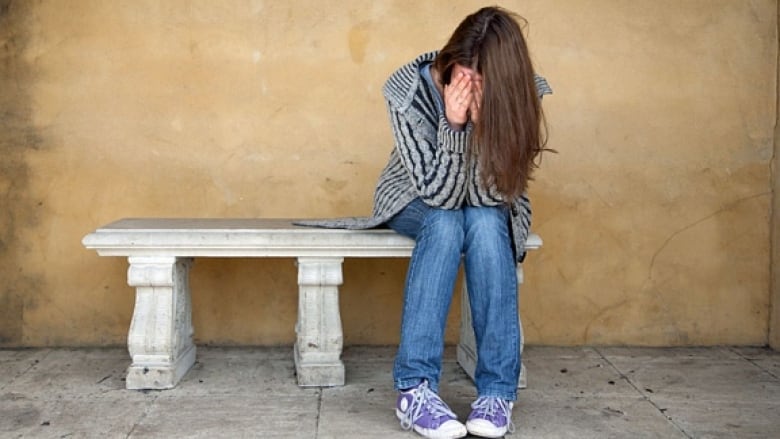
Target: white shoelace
490,406
423,397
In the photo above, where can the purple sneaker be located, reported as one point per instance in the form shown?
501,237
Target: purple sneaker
421,409
490,417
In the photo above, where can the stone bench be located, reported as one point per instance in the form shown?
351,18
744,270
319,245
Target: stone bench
161,251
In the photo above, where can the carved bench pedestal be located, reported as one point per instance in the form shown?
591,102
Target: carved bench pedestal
319,334
160,337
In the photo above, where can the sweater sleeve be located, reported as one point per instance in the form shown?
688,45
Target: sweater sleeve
521,224
433,157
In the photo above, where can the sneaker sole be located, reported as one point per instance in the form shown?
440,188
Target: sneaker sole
487,432
433,434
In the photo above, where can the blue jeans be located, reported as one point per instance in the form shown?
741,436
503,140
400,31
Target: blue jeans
481,235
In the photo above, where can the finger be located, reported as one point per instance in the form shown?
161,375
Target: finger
465,99
477,91
461,84
474,108
477,84
475,101
464,86
458,100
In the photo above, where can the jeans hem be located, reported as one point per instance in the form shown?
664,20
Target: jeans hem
511,396
414,382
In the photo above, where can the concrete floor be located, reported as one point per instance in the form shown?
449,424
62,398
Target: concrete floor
251,392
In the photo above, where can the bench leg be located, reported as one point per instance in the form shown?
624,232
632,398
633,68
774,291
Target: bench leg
319,334
160,338
467,345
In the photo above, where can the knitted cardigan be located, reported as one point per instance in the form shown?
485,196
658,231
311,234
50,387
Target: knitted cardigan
430,160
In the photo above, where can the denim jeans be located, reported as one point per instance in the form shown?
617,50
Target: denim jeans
481,236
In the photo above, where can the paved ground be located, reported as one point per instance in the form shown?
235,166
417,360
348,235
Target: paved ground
233,393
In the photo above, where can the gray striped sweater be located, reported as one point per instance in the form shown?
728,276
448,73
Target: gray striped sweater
430,160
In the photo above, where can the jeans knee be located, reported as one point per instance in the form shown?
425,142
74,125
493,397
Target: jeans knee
444,226
486,224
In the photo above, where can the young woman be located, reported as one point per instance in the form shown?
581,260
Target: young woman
468,128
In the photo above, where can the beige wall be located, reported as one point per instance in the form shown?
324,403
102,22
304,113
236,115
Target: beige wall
655,213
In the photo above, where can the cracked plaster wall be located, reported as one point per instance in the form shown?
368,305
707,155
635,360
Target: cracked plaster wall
774,332
655,212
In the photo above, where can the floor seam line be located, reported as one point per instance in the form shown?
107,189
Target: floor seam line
143,416
29,367
319,413
749,360
643,394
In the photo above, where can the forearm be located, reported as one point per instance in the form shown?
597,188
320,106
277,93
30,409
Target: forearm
435,163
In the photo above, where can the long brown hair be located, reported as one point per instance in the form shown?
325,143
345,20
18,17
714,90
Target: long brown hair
510,132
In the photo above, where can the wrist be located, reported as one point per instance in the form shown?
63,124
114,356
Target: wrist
451,138
454,126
